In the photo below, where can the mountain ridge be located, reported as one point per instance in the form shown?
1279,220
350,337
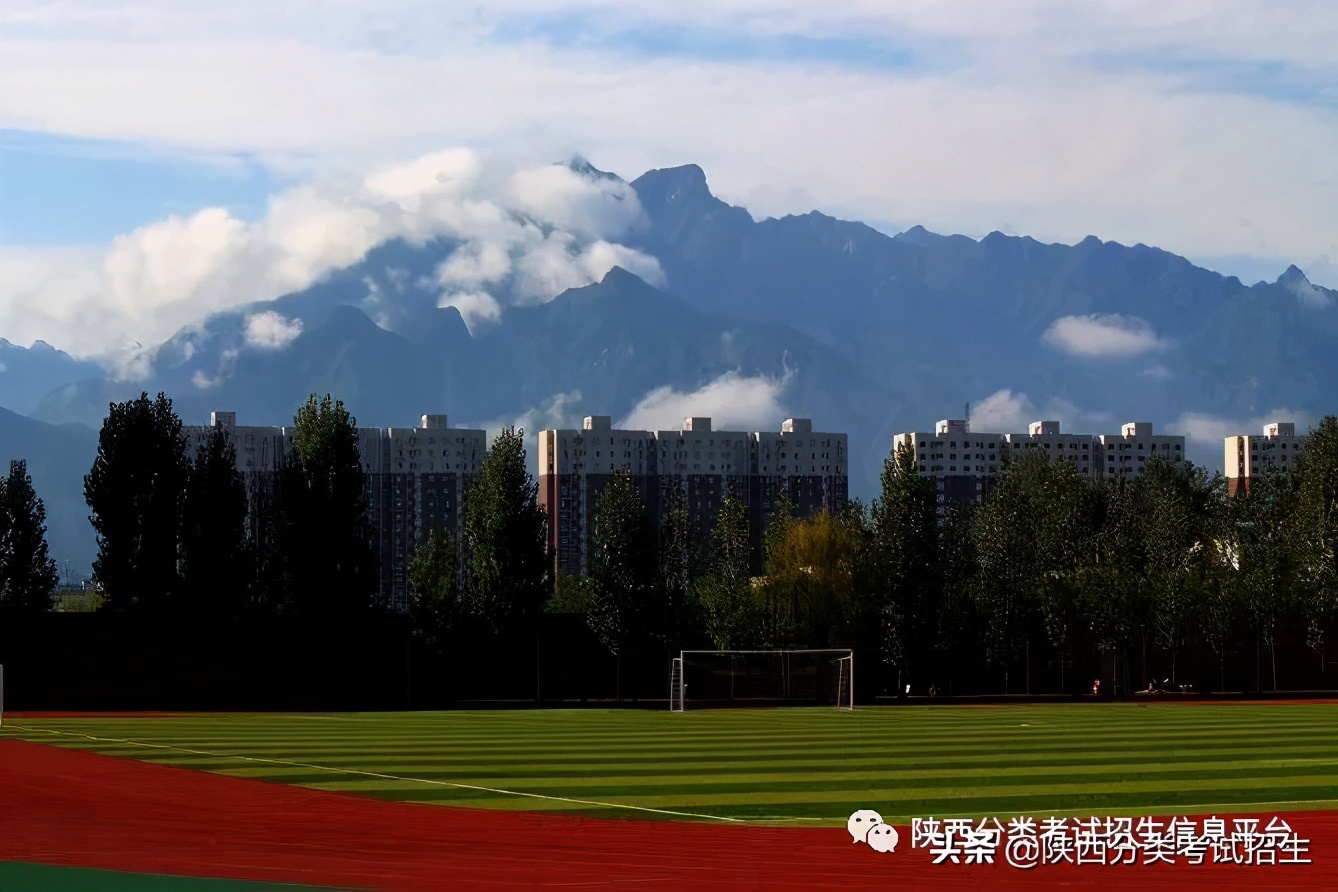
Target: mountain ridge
864,332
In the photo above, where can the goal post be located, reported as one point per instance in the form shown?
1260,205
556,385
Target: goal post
845,682
780,677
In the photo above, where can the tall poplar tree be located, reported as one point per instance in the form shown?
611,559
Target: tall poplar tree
213,531
28,575
134,492
331,569
507,568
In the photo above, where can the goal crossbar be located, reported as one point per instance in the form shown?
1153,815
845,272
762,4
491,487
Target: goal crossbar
772,676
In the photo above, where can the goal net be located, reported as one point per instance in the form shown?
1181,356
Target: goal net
706,678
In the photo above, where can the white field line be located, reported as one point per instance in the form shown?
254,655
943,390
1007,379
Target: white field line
378,775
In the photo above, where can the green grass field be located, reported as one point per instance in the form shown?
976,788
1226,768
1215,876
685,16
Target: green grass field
810,765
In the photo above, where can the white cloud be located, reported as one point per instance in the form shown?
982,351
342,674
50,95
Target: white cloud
1010,412
1140,121
1309,295
475,307
593,208
1003,412
1209,431
558,411
732,402
166,275
558,262
271,330
1101,336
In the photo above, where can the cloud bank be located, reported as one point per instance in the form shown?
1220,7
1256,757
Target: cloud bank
1141,121
535,232
1103,336
1209,431
270,330
1010,412
732,402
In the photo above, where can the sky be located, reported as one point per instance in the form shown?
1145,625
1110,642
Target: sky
139,142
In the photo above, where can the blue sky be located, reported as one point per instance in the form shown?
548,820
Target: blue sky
57,190
147,148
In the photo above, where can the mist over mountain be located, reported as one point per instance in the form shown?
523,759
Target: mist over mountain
694,307
27,374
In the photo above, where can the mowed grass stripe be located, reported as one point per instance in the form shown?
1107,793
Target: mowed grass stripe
795,763
445,744
776,758
534,774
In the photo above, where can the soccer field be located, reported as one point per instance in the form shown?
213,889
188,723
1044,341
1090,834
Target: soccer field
778,765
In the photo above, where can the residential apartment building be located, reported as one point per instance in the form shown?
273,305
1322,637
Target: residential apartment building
574,467
414,480
964,463
705,465
1128,452
1247,456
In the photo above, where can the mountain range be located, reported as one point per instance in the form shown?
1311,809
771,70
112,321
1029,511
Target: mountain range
751,321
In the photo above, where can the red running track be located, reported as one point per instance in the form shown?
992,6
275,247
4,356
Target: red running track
66,807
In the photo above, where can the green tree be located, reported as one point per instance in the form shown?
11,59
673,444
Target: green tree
434,588
1316,528
1111,599
569,595
1032,536
903,560
621,605
776,608
622,566
814,573
331,569
213,557
134,492
679,558
507,567
1264,559
725,595
28,575
1175,505
265,556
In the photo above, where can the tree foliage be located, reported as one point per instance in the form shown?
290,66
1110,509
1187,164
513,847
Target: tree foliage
213,553
623,580
434,587
28,575
507,570
134,491
679,555
903,559
812,576
725,594
329,562
1316,522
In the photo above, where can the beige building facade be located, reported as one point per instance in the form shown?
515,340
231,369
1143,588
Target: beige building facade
414,481
1246,456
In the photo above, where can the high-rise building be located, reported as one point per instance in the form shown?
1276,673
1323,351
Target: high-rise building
705,465
1247,456
574,468
414,480
963,463
1126,453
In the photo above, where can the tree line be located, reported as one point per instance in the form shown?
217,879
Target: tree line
1053,573
183,531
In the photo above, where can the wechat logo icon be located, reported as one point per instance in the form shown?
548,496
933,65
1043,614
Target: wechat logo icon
867,826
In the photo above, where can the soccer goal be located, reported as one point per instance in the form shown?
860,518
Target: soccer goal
706,678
